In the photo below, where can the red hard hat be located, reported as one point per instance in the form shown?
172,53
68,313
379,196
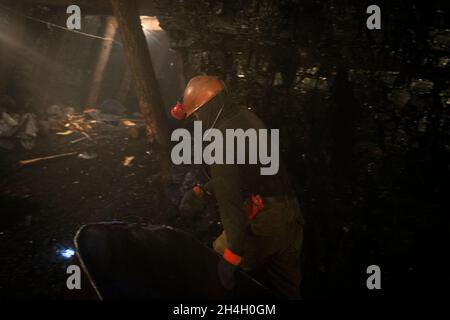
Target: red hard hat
198,92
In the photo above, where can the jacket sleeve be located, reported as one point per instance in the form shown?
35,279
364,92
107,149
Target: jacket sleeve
230,198
209,187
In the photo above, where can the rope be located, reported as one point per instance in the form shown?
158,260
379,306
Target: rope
60,27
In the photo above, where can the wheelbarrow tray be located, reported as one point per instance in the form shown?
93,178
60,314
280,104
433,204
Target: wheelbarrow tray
133,261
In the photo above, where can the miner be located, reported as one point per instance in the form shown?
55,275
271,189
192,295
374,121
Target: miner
261,218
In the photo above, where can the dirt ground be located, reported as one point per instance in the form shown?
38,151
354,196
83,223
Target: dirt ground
43,204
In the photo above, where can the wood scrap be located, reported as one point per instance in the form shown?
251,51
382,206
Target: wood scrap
24,162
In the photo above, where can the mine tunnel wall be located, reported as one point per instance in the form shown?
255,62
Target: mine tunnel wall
364,119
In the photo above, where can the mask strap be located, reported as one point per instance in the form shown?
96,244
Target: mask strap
215,120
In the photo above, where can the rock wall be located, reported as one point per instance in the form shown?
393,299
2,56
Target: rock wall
364,119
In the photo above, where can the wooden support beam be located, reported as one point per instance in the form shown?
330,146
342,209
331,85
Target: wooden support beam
125,86
146,87
102,61
97,7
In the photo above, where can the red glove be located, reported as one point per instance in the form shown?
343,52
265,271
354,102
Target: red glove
231,257
197,190
253,206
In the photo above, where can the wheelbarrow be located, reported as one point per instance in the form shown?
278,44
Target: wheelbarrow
135,261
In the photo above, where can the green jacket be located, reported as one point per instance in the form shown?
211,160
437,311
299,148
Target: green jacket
232,185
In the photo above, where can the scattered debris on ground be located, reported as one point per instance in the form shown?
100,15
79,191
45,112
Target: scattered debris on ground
18,128
23,162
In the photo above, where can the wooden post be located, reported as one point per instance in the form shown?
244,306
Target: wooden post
103,57
141,68
125,86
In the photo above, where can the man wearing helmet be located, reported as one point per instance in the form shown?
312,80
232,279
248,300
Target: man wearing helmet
261,217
